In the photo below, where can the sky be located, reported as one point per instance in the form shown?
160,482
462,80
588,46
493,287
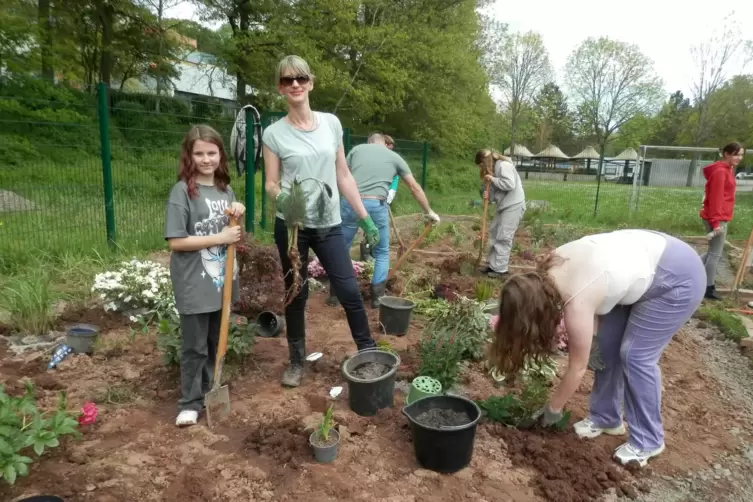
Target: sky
664,30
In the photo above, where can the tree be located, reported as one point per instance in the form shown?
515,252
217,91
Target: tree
712,57
555,124
611,82
519,67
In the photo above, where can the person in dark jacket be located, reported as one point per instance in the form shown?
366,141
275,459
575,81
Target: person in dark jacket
718,208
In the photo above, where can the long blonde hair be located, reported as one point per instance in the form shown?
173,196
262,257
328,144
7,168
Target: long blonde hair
486,159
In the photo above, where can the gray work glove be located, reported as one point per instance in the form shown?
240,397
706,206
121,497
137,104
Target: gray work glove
595,362
546,417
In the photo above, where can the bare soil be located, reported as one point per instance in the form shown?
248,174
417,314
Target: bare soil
370,370
438,417
261,450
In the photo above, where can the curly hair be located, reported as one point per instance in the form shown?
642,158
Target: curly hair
187,169
486,159
529,312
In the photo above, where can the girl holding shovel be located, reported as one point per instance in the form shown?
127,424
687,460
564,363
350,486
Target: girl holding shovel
506,192
633,288
304,162
197,231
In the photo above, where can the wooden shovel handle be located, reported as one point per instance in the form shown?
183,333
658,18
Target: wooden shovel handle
483,224
227,295
743,267
400,260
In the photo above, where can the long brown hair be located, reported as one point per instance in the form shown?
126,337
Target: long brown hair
486,159
529,312
187,169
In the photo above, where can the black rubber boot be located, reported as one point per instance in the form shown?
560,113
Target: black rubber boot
377,291
332,300
711,293
294,372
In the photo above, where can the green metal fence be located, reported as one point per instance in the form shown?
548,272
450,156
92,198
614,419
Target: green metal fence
88,171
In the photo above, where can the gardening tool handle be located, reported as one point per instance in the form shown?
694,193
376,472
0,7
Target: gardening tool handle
740,275
400,260
483,224
394,228
227,295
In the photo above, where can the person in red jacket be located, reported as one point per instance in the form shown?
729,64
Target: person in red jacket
718,208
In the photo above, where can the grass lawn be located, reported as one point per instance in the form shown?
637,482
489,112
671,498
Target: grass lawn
69,211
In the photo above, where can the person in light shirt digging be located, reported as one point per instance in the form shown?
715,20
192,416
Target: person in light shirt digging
633,288
374,166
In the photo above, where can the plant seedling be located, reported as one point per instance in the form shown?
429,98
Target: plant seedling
326,424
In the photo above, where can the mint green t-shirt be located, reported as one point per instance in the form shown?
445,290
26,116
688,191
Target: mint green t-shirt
374,167
308,156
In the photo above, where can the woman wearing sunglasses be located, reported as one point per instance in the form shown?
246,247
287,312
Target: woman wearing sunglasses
306,147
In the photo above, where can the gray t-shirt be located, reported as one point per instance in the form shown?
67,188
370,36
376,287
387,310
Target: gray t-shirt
305,155
199,276
374,167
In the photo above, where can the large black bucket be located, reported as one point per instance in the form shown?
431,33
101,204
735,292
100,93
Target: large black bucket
395,314
449,448
366,397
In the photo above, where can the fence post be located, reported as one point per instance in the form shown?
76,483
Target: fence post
424,165
104,140
250,173
346,140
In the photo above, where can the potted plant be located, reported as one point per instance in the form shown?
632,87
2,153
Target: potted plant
325,439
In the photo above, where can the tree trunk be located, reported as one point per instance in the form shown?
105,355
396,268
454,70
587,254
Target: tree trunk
43,14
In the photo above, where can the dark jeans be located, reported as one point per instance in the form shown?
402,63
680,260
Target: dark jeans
328,244
200,334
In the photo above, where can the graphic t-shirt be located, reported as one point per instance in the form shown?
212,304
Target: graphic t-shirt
309,157
199,276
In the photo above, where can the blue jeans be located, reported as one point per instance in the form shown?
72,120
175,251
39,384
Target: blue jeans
377,209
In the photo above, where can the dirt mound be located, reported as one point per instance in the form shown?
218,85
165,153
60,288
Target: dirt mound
191,485
568,468
105,321
284,440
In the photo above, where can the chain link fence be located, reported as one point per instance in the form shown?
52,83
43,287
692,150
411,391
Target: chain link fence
87,170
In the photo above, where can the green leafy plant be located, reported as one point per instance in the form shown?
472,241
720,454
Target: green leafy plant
326,424
25,429
518,410
440,355
467,320
484,290
29,298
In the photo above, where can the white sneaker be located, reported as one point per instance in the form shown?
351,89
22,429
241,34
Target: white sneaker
586,428
627,453
187,417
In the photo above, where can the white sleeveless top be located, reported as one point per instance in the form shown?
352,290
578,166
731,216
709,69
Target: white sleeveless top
627,259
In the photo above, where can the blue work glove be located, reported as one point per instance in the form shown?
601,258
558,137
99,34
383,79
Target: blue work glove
370,231
546,417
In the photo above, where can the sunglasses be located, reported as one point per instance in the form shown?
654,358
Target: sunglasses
301,79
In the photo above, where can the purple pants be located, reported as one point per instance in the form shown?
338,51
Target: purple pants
632,338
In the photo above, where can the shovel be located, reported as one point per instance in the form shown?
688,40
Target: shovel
402,258
483,225
217,400
401,249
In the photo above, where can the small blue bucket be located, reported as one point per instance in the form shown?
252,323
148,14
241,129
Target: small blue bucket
81,338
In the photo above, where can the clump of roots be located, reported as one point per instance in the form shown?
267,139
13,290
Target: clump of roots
294,213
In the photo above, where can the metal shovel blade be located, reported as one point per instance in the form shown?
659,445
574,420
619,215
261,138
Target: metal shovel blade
217,402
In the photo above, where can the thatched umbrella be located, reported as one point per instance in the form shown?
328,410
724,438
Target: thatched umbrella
588,154
551,153
628,155
520,151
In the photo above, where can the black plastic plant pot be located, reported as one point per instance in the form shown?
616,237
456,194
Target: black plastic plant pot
366,394
81,338
42,498
269,324
444,449
325,453
395,314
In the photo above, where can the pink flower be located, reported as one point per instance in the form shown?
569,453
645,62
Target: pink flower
88,414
